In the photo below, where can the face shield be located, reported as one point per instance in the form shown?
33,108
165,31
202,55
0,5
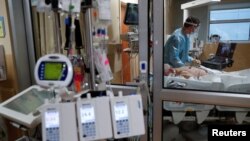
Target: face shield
196,28
196,32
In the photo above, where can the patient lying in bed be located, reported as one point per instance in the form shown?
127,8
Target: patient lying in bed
207,79
186,71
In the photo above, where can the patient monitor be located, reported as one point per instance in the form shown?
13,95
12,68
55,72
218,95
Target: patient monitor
127,115
53,70
94,118
58,119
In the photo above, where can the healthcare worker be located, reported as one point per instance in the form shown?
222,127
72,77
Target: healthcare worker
177,46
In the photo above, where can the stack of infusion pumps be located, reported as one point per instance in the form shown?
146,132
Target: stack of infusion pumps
94,118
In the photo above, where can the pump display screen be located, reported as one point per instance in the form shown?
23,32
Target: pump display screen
29,101
56,71
121,110
51,118
87,113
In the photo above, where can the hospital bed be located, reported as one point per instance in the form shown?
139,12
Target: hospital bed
179,110
181,82
238,81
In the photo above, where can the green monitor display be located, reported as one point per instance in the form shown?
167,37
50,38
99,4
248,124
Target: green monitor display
53,70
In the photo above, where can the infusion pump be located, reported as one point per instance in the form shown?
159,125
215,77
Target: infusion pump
127,115
97,118
94,118
59,122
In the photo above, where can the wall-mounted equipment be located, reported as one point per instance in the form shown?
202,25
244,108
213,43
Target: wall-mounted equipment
3,67
131,16
2,28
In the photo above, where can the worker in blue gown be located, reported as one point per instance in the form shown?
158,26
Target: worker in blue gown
177,46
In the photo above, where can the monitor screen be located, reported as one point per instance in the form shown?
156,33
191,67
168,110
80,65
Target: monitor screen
52,71
131,16
226,50
29,101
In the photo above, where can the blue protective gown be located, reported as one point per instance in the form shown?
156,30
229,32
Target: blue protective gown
176,49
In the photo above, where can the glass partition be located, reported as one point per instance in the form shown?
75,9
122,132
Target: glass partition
189,121
201,64
199,60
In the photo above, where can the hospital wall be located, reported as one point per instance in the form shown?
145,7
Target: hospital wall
173,14
241,55
7,87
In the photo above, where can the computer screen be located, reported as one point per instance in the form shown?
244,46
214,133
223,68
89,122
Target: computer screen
29,101
131,16
226,50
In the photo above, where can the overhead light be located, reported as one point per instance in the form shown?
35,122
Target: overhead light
197,3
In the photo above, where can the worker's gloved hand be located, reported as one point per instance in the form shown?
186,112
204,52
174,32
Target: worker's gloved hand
195,62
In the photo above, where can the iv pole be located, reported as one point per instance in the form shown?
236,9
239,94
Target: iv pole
89,46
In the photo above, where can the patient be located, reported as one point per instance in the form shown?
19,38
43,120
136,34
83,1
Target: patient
185,71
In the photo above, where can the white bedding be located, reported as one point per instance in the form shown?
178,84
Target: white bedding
191,83
237,81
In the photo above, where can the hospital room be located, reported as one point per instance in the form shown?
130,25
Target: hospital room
217,44
124,70
197,81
